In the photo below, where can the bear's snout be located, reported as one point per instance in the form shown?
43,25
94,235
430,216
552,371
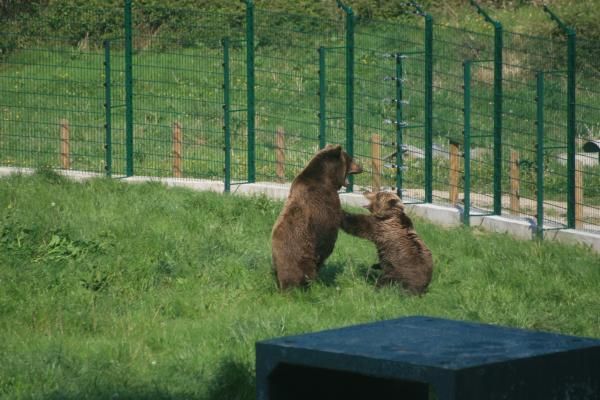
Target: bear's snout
355,168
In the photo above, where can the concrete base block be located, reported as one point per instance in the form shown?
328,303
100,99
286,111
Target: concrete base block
515,227
202,185
276,191
575,237
445,216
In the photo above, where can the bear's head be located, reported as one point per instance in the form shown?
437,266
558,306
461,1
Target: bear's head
383,203
331,164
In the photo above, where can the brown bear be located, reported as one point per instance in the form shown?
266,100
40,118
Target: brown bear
403,256
306,230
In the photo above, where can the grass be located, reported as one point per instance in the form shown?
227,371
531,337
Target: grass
114,290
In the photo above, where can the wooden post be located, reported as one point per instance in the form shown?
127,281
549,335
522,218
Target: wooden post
454,172
280,154
177,144
515,182
376,162
65,159
578,197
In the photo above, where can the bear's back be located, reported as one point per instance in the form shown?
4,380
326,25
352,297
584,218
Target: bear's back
403,253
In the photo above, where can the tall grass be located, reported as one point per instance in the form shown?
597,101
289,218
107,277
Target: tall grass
113,290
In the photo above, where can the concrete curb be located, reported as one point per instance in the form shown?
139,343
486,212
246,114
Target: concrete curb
521,228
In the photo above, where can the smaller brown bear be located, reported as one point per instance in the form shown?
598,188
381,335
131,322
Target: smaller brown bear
403,256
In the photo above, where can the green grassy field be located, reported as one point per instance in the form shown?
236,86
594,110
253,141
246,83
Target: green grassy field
131,291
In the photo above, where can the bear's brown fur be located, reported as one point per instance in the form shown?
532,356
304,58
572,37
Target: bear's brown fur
403,256
306,230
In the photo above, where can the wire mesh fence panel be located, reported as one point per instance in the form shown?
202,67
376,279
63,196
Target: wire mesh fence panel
481,140
523,56
178,94
587,216
116,151
588,51
150,101
555,151
239,112
333,96
451,47
389,109
287,63
588,132
52,106
519,141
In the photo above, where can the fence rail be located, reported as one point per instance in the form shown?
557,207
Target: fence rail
492,122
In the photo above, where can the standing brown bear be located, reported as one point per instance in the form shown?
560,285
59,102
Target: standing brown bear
306,230
403,256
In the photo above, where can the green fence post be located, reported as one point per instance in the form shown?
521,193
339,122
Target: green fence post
226,114
250,90
571,121
107,112
349,85
428,101
540,154
428,108
498,46
467,141
399,125
571,115
128,90
571,128
322,98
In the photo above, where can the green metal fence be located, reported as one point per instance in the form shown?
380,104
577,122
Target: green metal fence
390,107
114,106
492,122
52,98
177,96
587,128
285,100
454,47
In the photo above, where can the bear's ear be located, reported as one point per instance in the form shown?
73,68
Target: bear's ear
392,203
334,150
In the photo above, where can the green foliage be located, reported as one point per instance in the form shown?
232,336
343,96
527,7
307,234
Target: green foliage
115,290
584,17
12,8
96,18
